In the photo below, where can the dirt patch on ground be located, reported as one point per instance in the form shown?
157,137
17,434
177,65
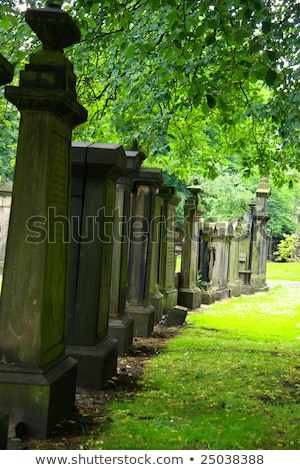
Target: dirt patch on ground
90,406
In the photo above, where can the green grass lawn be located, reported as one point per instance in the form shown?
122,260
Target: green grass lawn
286,271
229,380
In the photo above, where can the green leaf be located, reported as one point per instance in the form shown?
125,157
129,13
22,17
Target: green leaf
211,101
271,77
5,22
131,50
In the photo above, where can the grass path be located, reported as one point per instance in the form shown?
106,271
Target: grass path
230,380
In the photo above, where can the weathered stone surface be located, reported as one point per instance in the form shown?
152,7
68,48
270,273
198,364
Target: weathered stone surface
176,316
167,258
96,169
121,323
189,294
37,378
140,254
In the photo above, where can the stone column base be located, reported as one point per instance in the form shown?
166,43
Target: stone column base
221,294
157,301
248,289
259,283
207,297
37,400
143,319
235,289
170,300
121,329
96,364
189,297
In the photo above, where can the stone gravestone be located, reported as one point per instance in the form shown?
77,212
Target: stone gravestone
207,255
120,322
221,239
245,251
95,170
156,297
167,249
140,253
37,377
234,283
260,236
189,294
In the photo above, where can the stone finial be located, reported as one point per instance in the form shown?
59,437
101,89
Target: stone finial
54,27
196,189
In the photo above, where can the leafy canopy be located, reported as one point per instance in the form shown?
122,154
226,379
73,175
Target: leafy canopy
195,83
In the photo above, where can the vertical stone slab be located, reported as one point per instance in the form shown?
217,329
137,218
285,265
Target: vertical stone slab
156,297
140,253
167,279
121,323
96,169
5,206
245,251
189,294
207,256
234,283
221,238
37,377
260,236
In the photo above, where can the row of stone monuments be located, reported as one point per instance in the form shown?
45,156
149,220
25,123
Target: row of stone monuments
90,253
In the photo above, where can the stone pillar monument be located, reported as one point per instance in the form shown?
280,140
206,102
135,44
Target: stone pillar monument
234,282
140,254
156,297
189,294
260,236
221,238
207,256
245,251
37,377
167,250
120,322
96,168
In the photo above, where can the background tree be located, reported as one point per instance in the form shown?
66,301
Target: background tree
199,84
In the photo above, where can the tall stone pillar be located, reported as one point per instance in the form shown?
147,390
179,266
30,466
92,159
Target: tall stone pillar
189,294
207,255
139,268
37,377
120,322
234,282
167,249
245,251
260,236
96,169
221,238
156,297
